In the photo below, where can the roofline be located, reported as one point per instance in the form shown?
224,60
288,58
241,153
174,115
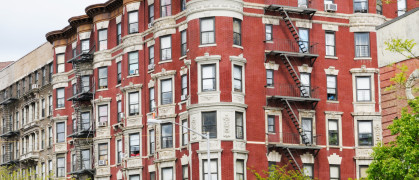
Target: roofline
23,56
397,18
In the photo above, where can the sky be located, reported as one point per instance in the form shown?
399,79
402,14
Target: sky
24,23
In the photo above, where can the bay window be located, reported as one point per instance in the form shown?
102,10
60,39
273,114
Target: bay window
208,77
363,88
166,48
166,91
132,22
209,123
133,103
134,145
207,30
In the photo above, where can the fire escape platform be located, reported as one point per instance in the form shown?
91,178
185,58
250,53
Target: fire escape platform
83,171
8,101
291,9
84,96
298,99
296,146
83,57
10,133
291,54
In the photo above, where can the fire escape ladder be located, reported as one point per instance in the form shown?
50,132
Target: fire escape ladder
6,126
295,77
294,120
292,160
293,30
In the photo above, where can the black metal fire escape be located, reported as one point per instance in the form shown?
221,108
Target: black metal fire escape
304,53
8,134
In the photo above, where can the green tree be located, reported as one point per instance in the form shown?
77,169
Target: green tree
276,172
399,159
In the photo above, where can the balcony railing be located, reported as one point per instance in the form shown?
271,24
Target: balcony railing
7,130
81,91
289,90
81,53
5,100
81,129
291,46
32,155
292,3
291,138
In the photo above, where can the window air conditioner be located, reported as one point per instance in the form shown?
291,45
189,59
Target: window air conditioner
34,86
102,124
102,162
183,97
136,71
331,7
150,25
150,66
302,6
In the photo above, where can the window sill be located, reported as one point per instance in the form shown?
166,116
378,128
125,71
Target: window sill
331,57
59,108
270,41
332,101
362,58
165,61
207,45
150,71
237,46
133,75
271,87
183,57
118,85
104,89
364,102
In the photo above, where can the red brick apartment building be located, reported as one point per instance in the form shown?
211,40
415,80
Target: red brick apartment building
272,81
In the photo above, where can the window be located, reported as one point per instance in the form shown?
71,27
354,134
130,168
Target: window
401,7
60,63
333,132
119,73
269,77
103,39
305,84
50,104
209,124
334,172
185,172
44,73
85,83
85,121
43,171
362,44
103,77
118,34
49,136
185,132
151,14
119,108
331,88
23,85
151,100
152,141
50,74
85,159
167,173
133,103
365,133
43,108
184,86
308,129
50,168
85,45
133,22
18,89
363,88
361,6
207,30
268,32
330,43
363,171
60,167
183,43
208,77
166,135
103,153
302,3
379,7
151,55
237,78
134,145
166,48
166,91
119,151
60,132
36,77
213,169
152,175
271,124
308,170
328,1
304,39
237,31
239,169
134,177
103,113
42,139
133,63
60,98
17,120
239,125
166,8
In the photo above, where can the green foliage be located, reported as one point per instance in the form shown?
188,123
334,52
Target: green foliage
276,172
402,47
399,80
400,158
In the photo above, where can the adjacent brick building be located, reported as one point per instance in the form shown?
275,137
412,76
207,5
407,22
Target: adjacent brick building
273,82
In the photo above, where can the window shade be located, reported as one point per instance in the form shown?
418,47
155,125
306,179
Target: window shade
207,25
165,42
365,127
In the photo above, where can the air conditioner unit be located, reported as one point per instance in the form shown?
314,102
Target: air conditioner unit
302,6
136,71
331,7
102,124
102,163
34,86
150,25
183,97
121,115
150,66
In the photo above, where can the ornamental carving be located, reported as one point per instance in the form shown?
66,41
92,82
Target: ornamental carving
226,126
334,159
193,126
157,137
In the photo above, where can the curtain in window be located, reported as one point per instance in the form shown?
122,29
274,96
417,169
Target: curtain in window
103,113
401,7
85,45
365,127
85,154
362,41
240,170
208,76
103,36
166,48
133,17
334,172
330,44
331,84
60,63
306,123
305,84
363,88
207,30
167,173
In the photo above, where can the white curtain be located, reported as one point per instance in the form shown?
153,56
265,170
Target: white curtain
330,44
167,174
333,125
166,85
365,127
103,113
207,25
165,42
331,83
133,17
363,83
308,170
60,63
208,72
334,172
305,79
103,36
133,98
213,173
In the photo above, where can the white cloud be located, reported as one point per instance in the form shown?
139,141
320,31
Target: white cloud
24,23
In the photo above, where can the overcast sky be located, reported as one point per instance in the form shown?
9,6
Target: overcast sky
24,23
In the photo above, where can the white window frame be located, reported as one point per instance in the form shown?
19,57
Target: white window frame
104,102
159,90
56,166
309,114
103,46
370,88
334,115
65,132
167,49
201,32
184,132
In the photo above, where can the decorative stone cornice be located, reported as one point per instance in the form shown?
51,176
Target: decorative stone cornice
163,73
331,71
203,8
334,159
131,86
364,69
59,118
207,57
238,58
102,100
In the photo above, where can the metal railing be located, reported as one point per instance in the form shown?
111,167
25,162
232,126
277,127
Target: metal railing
81,53
292,3
291,138
290,45
82,90
291,91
